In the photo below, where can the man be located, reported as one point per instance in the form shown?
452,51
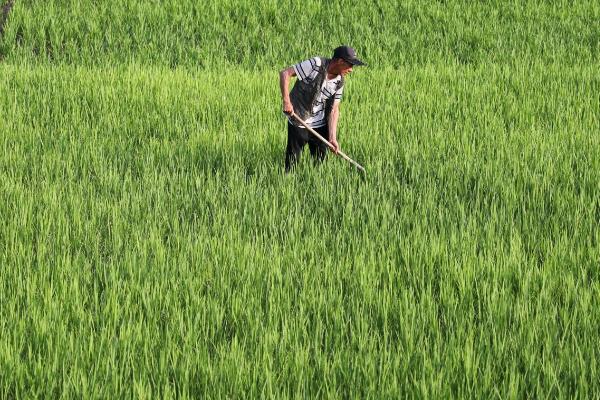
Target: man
315,98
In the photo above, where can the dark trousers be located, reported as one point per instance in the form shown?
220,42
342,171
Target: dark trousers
297,138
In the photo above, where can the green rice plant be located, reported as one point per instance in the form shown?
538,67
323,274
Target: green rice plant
152,246
266,34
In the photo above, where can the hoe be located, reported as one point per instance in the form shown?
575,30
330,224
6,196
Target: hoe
322,139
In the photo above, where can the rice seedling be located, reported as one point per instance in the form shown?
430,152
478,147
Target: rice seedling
152,246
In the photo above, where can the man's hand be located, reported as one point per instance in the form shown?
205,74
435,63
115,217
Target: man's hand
336,146
287,107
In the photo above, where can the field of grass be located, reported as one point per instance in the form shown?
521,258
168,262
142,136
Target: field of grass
259,35
151,245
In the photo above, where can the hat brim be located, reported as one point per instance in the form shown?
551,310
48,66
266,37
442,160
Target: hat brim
355,61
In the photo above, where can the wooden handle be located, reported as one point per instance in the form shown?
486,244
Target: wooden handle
322,139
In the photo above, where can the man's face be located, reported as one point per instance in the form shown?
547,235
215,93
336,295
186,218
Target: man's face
343,67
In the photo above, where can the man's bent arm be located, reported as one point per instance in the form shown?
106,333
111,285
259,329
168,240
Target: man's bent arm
284,83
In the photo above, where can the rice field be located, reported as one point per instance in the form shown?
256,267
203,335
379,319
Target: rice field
151,245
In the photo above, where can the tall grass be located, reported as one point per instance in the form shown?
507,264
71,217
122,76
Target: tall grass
151,245
260,35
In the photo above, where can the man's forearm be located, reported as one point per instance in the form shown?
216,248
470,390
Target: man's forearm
332,123
284,84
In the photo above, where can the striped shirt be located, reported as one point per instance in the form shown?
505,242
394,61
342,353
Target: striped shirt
307,71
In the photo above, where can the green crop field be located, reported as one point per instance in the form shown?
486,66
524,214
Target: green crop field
151,245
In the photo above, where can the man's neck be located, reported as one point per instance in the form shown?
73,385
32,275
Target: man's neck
331,74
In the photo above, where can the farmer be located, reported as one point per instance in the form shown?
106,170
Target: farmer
315,98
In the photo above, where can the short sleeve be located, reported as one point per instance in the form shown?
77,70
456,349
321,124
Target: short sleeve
307,70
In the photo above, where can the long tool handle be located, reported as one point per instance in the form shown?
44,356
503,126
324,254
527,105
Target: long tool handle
322,139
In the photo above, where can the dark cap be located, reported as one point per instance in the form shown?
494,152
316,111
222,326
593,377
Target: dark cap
347,53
